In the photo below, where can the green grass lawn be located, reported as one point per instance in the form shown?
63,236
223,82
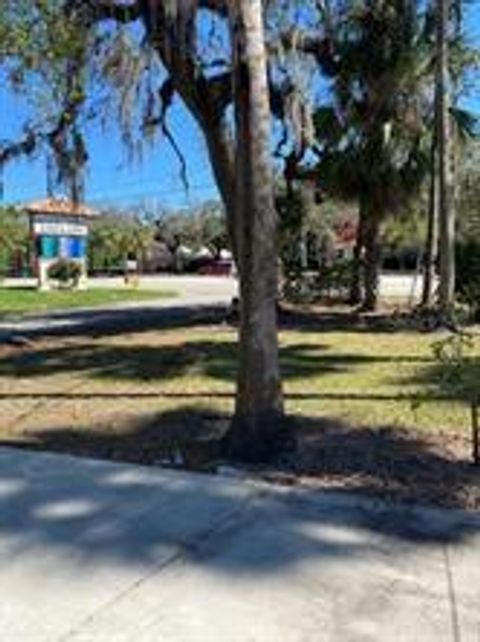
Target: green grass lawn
368,404
14,301
363,378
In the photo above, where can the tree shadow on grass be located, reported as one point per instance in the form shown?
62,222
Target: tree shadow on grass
215,359
99,323
338,319
431,377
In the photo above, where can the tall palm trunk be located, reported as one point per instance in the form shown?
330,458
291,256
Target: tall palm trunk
256,432
445,169
356,290
373,256
431,245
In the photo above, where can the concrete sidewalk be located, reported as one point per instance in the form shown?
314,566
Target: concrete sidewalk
95,551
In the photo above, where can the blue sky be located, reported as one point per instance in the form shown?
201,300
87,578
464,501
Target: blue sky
155,181
112,177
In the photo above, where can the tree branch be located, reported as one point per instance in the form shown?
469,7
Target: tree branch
92,11
217,6
24,147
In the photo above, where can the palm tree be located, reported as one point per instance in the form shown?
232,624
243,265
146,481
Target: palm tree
453,127
431,244
463,129
444,166
372,139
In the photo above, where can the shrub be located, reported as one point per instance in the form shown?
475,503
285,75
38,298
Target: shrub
331,282
460,377
300,288
67,273
335,279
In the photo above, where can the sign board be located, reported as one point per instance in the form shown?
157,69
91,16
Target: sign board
57,228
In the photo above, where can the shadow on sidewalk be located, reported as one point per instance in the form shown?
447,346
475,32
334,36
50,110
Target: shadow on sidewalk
75,511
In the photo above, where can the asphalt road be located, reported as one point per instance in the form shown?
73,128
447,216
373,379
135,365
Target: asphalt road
196,296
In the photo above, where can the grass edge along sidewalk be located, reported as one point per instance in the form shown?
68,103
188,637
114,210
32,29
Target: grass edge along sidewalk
16,302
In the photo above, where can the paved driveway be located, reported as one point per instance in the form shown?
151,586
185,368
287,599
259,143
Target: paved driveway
95,551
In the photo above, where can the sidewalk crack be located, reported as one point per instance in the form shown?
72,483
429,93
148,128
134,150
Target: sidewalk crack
184,551
452,597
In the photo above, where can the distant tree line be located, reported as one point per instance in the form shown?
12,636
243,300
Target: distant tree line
15,244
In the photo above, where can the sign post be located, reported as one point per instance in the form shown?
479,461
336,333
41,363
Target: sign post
59,230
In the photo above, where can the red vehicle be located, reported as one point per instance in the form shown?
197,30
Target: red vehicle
216,267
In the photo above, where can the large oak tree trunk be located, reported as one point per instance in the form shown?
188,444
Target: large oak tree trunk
220,149
172,30
243,172
445,168
257,431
